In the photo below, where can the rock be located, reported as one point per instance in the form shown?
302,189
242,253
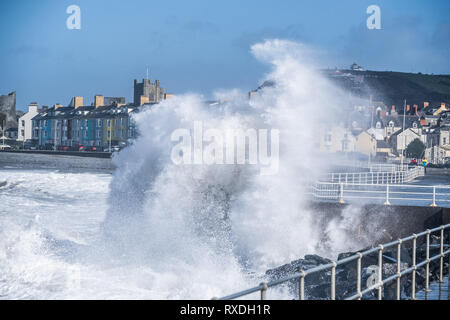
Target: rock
314,258
318,284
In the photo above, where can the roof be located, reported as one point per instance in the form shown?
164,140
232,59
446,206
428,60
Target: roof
397,121
86,112
382,144
401,130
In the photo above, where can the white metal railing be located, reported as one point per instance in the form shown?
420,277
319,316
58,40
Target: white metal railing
375,177
374,166
386,167
385,193
380,282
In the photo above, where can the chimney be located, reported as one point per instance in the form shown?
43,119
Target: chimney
426,104
415,109
407,108
393,111
56,106
99,101
167,96
77,102
33,107
443,105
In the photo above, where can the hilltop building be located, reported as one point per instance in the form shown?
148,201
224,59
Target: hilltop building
355,67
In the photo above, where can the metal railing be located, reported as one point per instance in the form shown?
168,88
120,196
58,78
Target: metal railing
388,167
375,177
373,166
380,282
384,193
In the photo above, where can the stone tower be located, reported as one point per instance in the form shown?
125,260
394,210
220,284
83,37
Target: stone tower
147,91
8,110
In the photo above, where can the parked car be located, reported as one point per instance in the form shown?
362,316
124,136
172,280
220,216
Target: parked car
63,148
29,146
112,149
5,147
91,148
47,146
81,148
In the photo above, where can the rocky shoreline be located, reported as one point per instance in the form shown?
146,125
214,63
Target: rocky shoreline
317,285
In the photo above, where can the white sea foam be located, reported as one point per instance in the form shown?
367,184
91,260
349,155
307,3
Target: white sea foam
210,219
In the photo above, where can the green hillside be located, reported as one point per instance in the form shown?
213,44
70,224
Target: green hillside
393,87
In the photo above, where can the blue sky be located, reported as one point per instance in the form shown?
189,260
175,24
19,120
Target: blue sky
199,46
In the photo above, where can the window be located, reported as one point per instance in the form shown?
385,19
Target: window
108,123
99,122
378,125
99,134
108,134
23,123
444,140
22,133
391,124
344,145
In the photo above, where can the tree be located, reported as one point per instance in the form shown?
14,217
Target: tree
415,149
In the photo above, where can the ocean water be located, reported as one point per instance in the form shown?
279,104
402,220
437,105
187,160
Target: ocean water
46,217
53,246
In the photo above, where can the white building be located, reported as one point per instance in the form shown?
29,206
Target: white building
25,130
337,139
404,138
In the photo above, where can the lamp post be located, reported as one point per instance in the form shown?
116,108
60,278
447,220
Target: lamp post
403,131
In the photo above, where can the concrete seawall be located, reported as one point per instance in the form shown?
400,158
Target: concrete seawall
65,153
387,222
80,162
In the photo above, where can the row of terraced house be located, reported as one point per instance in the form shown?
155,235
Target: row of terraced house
106,123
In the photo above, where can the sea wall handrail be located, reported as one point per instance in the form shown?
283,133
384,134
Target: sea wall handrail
344,192
300,276
393,176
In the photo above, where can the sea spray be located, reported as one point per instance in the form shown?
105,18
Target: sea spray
199,219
